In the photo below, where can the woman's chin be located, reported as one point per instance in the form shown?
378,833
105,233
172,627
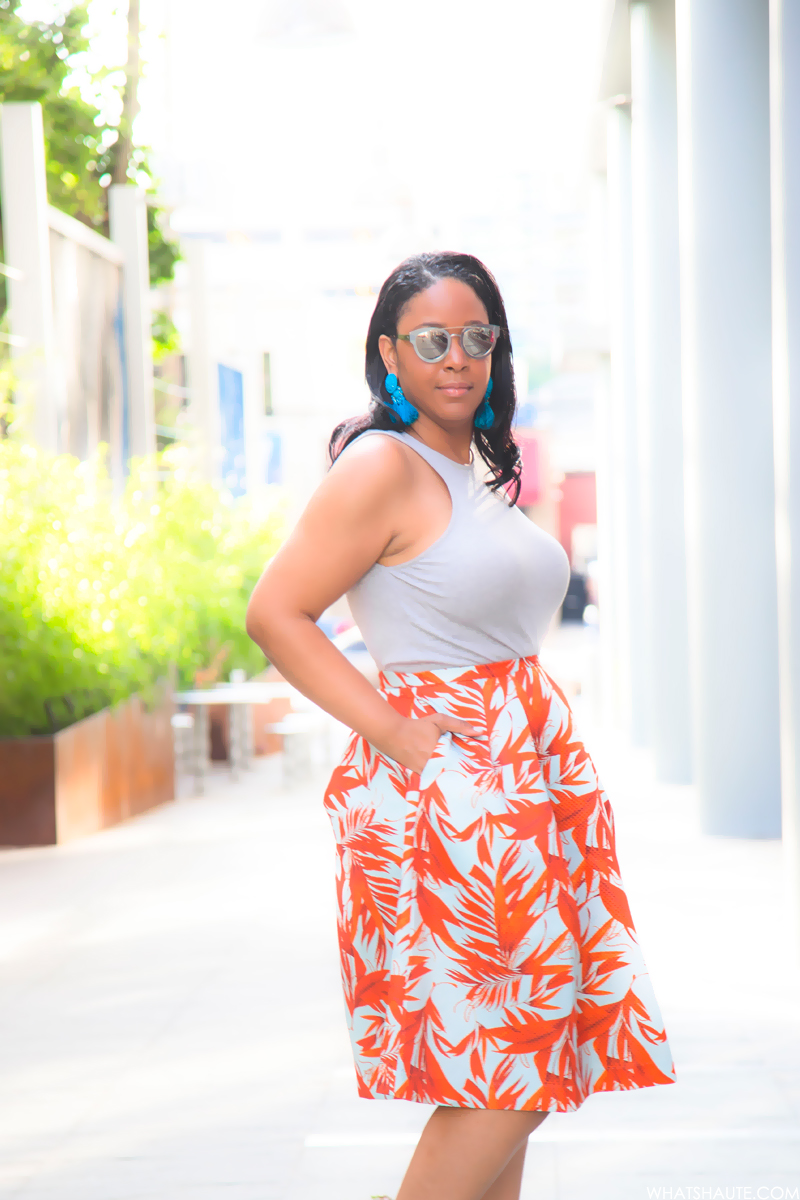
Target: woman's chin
452,415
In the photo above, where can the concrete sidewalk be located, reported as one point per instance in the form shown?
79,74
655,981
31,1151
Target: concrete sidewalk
173,1028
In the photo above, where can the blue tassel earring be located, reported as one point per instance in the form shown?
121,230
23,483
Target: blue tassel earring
404,409
484,417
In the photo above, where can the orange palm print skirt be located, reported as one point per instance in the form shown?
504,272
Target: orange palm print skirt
488,955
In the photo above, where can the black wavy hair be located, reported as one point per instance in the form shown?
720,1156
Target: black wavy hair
496,445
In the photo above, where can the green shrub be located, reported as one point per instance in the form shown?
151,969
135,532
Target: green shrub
100,596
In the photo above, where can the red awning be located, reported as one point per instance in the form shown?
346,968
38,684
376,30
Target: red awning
531,492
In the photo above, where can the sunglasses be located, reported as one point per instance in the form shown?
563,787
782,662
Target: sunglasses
432,344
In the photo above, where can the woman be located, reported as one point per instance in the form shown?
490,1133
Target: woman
489,962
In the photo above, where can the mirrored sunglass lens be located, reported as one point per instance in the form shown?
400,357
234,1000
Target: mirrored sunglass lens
478,340
431,343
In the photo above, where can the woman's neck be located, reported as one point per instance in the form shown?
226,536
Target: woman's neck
452,443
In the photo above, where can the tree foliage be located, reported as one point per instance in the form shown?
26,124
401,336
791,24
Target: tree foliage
99,596
166,339
163,250
37,62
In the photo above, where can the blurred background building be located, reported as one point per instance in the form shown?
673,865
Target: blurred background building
699,512
293,214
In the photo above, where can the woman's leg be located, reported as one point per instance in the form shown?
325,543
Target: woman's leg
509,1181
469,1154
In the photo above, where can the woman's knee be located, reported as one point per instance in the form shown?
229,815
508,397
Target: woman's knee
492,1121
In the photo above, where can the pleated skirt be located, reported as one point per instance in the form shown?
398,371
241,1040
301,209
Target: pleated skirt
489,959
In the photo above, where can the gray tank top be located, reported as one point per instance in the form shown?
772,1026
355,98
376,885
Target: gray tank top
485,591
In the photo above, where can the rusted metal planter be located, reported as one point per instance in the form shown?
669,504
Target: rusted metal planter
96,773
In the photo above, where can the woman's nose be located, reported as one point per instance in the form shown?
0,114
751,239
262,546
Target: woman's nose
456,357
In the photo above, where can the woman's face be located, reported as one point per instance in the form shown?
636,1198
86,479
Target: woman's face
449,391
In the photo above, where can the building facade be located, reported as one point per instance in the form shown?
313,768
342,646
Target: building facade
703,184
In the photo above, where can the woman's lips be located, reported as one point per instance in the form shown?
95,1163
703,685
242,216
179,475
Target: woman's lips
455,389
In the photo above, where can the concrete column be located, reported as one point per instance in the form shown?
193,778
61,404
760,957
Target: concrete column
128,226
613,684
627,611
26,239
203,385
658,372
723,143
785,163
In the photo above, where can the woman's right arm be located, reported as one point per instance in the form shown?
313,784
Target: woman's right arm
355,515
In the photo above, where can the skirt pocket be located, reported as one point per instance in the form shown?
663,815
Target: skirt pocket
437,760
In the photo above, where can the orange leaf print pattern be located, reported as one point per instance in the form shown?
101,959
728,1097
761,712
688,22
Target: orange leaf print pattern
489,959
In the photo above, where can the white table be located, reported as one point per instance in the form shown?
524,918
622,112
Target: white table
239,696
306,742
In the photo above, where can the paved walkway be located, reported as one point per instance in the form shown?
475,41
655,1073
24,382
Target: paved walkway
171,1025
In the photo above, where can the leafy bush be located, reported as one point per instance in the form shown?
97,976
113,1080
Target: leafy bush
165,337
99,596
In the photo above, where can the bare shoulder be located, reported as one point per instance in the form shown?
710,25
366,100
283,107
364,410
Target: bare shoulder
376,466
366,483
379,452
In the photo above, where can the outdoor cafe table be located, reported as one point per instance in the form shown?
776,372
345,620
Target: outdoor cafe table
239,696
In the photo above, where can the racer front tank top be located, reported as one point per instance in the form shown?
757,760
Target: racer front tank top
485,591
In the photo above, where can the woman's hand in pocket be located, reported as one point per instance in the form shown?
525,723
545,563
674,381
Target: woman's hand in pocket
414,739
